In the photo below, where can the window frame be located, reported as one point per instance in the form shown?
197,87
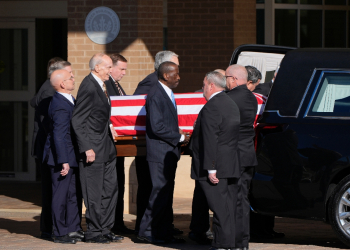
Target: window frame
270,6
315,91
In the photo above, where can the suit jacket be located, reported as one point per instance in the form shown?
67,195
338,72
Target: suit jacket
162,126
263,88
146,84
41,103
59,146
112,89
91,121
214,142
248,106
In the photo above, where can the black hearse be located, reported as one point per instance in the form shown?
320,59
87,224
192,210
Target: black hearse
303,137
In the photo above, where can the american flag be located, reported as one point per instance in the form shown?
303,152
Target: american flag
261,106
128,114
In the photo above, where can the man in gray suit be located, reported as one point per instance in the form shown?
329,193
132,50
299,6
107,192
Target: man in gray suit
163,140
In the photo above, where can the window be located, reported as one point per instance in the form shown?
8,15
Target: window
332,96
304,23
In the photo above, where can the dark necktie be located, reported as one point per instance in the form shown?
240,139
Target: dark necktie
119,89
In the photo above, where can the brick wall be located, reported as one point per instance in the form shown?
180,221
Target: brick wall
244,22
204,33
139,39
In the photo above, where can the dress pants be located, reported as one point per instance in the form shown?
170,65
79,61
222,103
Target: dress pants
158,218
243,208
100,192
144,188
46,197
65,210
119,210
222,200
200,211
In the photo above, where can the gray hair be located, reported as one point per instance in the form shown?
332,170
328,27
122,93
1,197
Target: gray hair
96,60
163,56
253,74
217,78
56,66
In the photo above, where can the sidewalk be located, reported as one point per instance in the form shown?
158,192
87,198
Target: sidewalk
20,214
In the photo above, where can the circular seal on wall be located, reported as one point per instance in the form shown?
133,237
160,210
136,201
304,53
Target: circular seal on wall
102,25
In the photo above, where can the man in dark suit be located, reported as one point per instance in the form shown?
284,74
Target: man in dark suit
114,88
142,170
41,103
265,88
60,156
200,220
236,83
163,140
146,84
215,157
97,151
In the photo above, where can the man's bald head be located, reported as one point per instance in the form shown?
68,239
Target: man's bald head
236,75
62,81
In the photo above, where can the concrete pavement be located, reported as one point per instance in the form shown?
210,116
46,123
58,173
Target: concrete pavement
19,227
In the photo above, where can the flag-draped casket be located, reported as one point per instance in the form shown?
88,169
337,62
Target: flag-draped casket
128,114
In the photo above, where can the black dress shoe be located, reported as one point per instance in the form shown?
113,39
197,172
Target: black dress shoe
261,235
64,239
150,239
78,235
114,238
277,234
201,239
122,230
175,240
214,248
209,234
46,235
98,239
176,231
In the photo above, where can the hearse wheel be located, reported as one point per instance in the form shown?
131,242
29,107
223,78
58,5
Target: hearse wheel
339,210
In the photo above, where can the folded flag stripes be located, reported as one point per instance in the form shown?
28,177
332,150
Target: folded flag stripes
128,114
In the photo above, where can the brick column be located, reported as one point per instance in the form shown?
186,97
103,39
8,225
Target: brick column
205,34
139,39
244,22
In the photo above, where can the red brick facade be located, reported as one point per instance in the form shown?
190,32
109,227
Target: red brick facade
139,39
204,34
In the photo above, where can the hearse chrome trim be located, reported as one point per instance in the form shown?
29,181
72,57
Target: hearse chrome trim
338,71
278,113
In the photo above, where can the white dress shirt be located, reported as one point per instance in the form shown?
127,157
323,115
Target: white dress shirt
99,81
68,96
168,91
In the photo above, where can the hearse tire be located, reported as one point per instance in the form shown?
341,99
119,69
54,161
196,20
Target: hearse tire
339,210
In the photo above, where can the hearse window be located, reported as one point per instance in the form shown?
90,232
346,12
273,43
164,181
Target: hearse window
333,95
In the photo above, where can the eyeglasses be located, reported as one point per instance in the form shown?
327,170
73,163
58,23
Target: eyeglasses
233,77
71,78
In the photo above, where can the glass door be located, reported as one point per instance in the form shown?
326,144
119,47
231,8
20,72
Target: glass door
17,87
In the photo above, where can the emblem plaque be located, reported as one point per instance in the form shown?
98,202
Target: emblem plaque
102,25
